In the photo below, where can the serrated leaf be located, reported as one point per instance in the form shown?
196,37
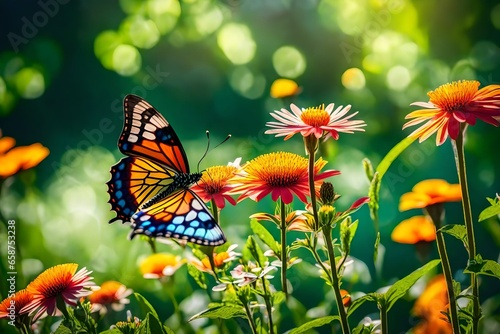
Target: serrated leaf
314,324
483,267
151,325
63,330
457,231
144,305
263,234
489,212
197,275
457,288
399,289
369,297
221,311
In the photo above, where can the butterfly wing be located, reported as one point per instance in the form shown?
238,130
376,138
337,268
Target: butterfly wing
133,182
181,215
147,134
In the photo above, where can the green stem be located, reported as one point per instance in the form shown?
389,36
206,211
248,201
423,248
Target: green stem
383,320
250,317
284,255
458,150
268,306
215,210
312,189
445,263
327,233
151,242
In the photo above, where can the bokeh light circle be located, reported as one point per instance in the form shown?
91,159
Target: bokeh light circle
289,62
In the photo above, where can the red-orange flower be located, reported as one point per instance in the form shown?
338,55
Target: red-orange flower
280,174
452,104
215,184
61,281
160,265
11,306
429,306
414,230
428,192
318,121
111,294
13,159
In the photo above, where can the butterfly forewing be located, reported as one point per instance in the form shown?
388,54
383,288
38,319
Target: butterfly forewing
146,133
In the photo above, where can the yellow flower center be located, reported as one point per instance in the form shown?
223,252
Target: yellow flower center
215,178
315,116
53,281
455,95
279,169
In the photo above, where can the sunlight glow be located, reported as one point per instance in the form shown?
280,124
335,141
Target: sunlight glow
353,79
289,62
236,41
29,83
126,60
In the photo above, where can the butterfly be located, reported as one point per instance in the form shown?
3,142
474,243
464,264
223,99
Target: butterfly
150,187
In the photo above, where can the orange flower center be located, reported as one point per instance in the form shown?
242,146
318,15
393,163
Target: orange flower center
315,116
455,95
279,169
215,178
106,294
53,281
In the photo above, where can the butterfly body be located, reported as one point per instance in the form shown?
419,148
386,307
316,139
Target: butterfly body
150,187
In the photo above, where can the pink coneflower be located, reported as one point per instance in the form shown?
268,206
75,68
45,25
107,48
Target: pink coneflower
318,121
61,281
281,174
452,104
111,294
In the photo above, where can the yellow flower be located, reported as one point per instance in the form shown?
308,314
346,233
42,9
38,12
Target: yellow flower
280,174
452,104
282,88
12,160
429,192
160,265
414,230
61,281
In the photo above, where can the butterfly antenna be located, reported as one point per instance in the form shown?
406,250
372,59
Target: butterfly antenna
208,147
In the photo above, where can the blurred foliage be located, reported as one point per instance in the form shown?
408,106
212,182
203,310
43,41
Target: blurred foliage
210,64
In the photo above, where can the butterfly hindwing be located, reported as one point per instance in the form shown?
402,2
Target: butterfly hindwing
181,215
133,182
146,133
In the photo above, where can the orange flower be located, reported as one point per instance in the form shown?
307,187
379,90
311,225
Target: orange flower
11,306
414,230
282,88
318,121
160,265
61,281
346,298
429,306
12,160
280,174
452,104
220,259
111,293
428,192
214,184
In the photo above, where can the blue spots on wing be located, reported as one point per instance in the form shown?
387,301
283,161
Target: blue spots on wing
204,217
200,232
121,203
119,194
118,184
125,146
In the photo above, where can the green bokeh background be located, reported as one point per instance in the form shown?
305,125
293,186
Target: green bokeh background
62,84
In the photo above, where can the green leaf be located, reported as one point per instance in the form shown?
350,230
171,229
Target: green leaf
278,298
254,249
489,212
63,330
375,248
457,288
112,331
399,289
221,311
369,297
457,231
260,231
373,193
362,329
347,232
314,323
483,267
197,275
144,305
151,325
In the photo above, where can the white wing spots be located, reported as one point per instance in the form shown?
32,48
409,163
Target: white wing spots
136,116
150,127
149,135
145,217
196,205
158,121
191,216
136,123
135,130
133,138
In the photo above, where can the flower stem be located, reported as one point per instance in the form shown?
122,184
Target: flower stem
215,210
312,189
268,306
327,233
383,320
284,255
458,150
250,317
